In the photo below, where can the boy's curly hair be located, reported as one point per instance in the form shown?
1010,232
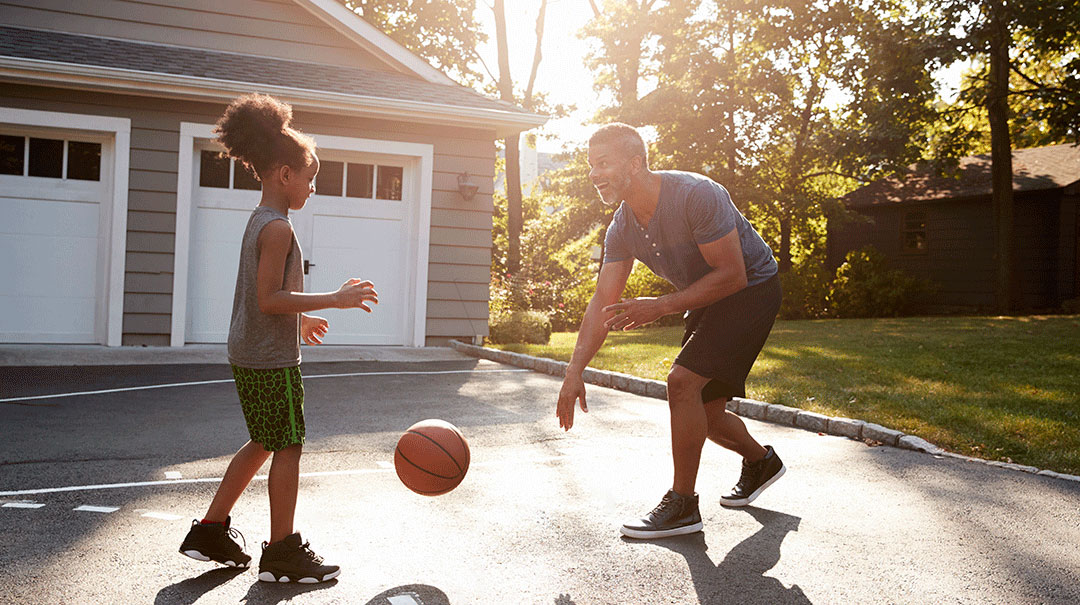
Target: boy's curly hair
256,129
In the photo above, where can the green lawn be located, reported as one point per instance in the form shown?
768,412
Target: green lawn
1001,388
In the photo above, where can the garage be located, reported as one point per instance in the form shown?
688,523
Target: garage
365,220
62,269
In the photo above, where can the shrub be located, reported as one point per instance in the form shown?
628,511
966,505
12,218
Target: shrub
806,291
530,327
866,287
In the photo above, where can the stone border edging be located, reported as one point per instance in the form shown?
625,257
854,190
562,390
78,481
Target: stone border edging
758,410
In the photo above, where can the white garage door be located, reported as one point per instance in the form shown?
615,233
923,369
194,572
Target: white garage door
356,225
54,187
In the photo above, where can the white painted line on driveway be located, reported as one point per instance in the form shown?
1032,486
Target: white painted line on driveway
385,464
162,516
403,599
359,471
223,381
23,505
97,509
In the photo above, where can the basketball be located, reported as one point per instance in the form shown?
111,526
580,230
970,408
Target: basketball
432,457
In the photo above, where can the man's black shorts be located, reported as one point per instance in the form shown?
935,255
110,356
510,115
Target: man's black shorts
723,340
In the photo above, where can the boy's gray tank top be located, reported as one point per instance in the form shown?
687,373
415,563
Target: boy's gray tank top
261,340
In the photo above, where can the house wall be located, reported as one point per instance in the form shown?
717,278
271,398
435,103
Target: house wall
959,260
460,237
269,28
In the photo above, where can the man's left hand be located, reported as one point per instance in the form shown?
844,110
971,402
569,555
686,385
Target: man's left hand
633,313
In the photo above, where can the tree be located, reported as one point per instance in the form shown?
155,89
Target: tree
444,32
782,101
511,143
1035,43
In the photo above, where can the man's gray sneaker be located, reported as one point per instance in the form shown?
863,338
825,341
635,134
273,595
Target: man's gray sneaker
756,476
674,516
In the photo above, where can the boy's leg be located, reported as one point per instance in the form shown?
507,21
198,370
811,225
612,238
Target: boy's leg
245,463
283,485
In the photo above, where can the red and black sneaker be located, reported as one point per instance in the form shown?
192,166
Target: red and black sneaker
214,542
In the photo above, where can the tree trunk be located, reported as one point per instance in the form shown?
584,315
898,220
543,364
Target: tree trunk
997,105
513,164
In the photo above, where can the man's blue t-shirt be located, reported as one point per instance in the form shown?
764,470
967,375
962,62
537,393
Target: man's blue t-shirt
693,209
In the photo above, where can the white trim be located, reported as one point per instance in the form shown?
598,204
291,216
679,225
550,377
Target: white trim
142,83
421,160
368,37
110,319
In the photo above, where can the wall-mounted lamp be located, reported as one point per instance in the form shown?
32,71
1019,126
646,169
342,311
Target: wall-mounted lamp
466,187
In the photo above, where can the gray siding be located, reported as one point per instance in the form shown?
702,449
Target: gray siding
460,237
271,28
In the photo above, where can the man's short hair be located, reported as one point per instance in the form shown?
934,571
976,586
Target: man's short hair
624,137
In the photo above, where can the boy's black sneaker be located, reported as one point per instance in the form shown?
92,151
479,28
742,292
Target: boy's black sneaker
291,560
214,542
674,516
756,476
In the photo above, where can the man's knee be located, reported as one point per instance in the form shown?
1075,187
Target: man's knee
682,383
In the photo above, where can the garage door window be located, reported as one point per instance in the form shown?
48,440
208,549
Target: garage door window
356,180
50,158
216,169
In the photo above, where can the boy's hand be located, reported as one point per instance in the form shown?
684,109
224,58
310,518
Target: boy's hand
354,293
313,329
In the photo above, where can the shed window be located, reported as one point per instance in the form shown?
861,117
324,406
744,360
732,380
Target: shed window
915,232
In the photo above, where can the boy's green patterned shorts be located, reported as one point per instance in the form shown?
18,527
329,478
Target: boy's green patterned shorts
273,404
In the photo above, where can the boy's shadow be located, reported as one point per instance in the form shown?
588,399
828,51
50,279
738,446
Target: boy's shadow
269,593
740,576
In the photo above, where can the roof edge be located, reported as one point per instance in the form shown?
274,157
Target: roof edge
142,83
368,37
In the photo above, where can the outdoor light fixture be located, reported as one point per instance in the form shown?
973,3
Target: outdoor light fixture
466,187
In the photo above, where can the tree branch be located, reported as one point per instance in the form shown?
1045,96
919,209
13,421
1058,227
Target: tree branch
537,55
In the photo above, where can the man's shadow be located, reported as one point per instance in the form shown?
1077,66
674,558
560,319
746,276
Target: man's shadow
740,576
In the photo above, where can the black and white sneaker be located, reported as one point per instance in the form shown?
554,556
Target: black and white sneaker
214,542
292,560
756,476
674,516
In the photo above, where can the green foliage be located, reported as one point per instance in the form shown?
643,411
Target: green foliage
866,287
445,33
806,291
530,327
643,283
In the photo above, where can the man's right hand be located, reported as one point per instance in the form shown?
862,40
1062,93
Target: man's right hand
354,293
573,390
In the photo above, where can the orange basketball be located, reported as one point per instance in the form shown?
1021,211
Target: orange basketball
432,457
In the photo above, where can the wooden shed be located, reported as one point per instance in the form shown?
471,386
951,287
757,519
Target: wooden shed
119,224
941,228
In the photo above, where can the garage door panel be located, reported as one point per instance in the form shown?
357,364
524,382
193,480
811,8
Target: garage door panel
347,247
47,319
48,217
41,266
215,256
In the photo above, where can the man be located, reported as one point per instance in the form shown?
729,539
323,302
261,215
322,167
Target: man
685,228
